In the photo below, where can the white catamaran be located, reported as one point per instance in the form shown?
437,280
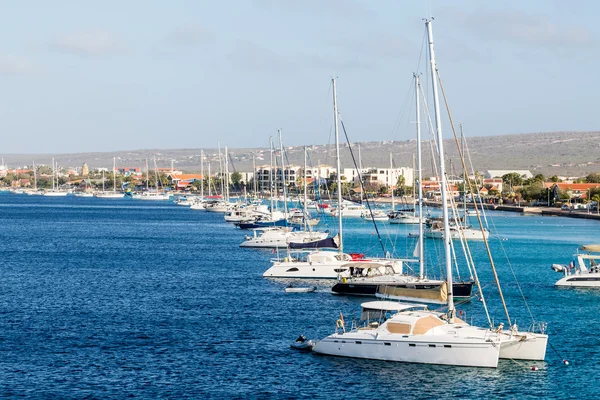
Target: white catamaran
410,333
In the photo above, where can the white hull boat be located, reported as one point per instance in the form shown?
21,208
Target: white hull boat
150,196
410,335
456,233
584,271
350,210
279,237
55,194
377,215
300,289
402,218
109,195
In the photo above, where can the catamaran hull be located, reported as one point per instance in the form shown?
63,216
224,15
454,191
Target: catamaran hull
414,350
524,346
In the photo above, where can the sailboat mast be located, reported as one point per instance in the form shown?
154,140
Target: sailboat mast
226,177
359,160
221,169
462,150
202,174
209,179
114,174
285,205
34,177
53,174
147,176
339,168
155,174
305,210
443,178
271,173
254,176
419,177
392,180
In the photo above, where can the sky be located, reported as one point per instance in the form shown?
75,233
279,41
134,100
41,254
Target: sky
117,75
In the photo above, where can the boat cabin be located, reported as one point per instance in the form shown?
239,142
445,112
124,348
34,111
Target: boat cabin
375,313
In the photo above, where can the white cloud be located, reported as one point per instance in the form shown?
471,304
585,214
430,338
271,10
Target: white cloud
340,8
523,29
17,65
190,35
90,43
248,55
378,46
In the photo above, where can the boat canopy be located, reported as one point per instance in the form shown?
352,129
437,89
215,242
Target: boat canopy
591,247
390,306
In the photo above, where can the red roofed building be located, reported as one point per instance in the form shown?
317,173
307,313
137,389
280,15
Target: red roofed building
574,190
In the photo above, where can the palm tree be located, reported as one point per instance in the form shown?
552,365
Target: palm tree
596,198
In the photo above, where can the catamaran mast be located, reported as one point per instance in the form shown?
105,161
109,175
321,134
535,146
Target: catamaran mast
419,177
285,205
443,178
339,168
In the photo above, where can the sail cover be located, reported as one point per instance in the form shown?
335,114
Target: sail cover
330,243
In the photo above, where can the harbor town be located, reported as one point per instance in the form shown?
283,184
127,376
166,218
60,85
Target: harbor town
284,199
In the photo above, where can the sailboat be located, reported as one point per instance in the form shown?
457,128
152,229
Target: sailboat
222,205
151,194
408,333
282,236
112,194
383,280
55,192
325,264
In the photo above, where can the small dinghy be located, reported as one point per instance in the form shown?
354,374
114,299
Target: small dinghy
302,343
293,289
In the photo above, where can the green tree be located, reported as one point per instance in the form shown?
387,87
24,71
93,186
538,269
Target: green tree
512,179
596,198
593,178
236,178
555,178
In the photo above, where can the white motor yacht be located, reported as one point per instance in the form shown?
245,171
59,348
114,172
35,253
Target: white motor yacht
584,271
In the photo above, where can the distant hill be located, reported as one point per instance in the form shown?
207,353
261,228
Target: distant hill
557,153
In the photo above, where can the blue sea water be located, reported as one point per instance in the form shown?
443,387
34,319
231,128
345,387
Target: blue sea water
122,298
